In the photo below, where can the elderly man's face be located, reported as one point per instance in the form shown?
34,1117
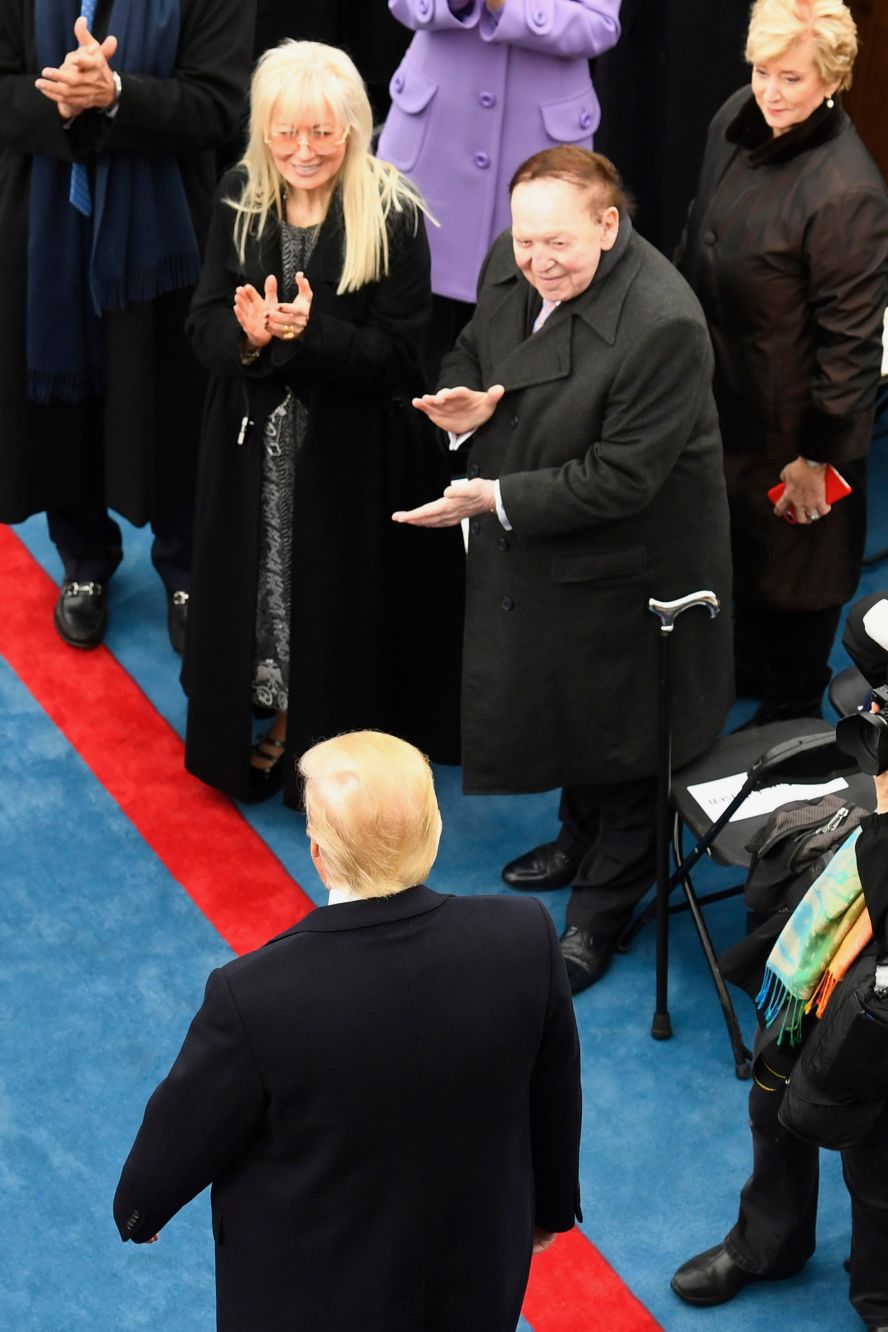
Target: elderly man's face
558,236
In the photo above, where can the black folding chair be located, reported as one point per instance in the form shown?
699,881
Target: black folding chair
798,751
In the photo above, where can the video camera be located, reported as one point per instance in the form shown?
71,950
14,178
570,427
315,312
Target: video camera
864,735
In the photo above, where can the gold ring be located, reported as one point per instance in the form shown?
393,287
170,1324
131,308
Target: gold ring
289,334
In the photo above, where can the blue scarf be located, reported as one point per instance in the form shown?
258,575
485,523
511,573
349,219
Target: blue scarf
139,241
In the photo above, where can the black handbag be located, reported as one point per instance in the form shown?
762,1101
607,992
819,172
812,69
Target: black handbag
838,1088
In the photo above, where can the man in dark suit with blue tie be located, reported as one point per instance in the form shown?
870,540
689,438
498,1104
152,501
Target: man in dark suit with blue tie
385,1098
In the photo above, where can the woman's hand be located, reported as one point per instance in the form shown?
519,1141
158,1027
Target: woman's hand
460,409
289,319
464,499
251,312
805,492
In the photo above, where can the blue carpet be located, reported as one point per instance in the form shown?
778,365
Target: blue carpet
103,962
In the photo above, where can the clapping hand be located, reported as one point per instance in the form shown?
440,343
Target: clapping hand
83,81
263,317
460,409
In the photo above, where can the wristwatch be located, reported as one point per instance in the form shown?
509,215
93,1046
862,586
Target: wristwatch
118,86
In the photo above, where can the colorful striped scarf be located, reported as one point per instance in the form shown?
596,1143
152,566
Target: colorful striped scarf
827,930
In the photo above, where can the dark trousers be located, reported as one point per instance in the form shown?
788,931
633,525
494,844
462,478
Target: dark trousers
775,1231
88,541
612,829
782,656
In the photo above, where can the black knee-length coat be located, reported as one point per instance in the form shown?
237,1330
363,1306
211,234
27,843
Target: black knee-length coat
376,611
386,1099
787,249
148,422
607,450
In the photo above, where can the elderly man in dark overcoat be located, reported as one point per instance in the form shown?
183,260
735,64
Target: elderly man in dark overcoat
594,483
112,110
390,1122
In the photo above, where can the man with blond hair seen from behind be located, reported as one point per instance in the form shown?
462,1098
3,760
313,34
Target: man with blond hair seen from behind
385,1098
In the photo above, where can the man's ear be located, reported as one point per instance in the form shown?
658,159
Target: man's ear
317,859
610,229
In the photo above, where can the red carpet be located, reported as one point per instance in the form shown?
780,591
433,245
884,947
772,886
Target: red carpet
225,867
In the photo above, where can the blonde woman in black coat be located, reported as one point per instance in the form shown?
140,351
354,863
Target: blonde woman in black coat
787,249
310,316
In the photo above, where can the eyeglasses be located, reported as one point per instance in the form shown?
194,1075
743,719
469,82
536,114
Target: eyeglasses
319,138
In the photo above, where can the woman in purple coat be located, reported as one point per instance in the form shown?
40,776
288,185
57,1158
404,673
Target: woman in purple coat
484,84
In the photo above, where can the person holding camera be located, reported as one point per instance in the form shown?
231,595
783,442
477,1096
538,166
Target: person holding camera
774,1235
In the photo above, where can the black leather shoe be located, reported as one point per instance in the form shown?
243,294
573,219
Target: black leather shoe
541,869
177,619
80,614
267,780
585,957
712,1277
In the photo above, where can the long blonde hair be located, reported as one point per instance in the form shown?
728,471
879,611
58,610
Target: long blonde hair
291,79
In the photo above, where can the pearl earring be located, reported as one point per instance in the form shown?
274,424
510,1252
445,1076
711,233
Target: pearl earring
829,102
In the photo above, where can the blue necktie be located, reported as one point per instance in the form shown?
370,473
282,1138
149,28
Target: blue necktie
79,193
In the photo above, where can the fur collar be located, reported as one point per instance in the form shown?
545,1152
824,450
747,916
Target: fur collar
750,130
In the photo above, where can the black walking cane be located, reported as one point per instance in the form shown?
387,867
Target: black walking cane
667,612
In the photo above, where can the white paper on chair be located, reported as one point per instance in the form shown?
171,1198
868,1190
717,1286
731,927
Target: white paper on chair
714,797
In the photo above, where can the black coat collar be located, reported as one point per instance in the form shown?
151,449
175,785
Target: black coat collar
750,130
372,911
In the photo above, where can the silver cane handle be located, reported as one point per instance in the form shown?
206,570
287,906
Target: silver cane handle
667,612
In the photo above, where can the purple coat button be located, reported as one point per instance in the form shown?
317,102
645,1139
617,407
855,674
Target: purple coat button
487,99
585,119
482,160
398,83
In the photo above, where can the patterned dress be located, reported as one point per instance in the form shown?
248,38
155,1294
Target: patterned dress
284,433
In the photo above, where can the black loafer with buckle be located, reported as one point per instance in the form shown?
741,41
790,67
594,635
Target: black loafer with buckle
80,614
543,868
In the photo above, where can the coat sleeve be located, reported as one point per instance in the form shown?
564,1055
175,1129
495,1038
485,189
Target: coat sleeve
378,351
871,849
846,255
198,1121
198,106
556,1102
583,28
211,327
653,407
29,122
436,15
579,28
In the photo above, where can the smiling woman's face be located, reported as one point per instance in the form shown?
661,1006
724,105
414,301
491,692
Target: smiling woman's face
308,154
790,87
558,236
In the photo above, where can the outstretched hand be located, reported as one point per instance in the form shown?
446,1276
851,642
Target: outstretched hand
464,499
460,409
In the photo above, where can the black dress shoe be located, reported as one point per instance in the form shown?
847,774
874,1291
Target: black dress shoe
80,614
177,619
585,957
542,868
712,1277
